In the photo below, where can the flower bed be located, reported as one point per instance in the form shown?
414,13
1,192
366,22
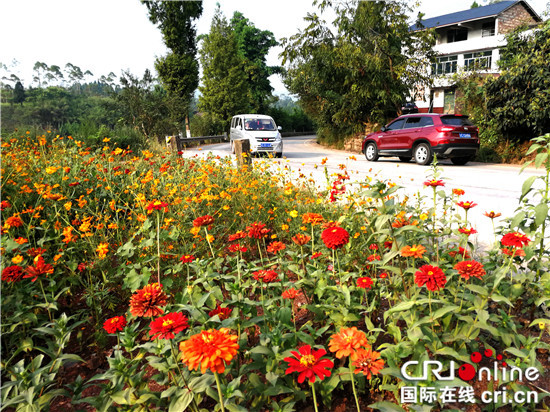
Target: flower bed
202,286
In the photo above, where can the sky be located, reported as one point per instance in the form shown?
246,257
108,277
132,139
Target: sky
113,35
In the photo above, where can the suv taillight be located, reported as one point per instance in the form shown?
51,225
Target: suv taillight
445,129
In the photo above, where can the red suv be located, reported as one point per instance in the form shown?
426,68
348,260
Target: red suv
420,136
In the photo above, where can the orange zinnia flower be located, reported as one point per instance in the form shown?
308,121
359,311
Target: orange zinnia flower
13,221
313,218
257,230
291,293
211,349
367,362
347,341
146,302
275,247
301,239
102,250
39,268
491,214
415,251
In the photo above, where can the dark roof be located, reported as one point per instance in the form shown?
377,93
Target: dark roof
472,14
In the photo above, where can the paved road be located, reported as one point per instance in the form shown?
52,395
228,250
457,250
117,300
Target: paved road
491,186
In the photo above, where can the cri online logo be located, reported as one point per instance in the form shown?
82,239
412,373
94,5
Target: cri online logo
467,371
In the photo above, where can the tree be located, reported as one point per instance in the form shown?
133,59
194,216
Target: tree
224,90
179,70
19,93
143,104
518,100
362,71
254,45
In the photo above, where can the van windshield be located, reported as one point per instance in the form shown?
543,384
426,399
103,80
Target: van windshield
259,124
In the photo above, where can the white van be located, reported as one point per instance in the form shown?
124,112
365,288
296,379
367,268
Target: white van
260,130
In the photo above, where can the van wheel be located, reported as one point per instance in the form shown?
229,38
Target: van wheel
422,154
371,152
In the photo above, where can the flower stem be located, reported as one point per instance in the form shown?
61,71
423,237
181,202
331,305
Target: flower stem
353,386
314,396
219,390
158,248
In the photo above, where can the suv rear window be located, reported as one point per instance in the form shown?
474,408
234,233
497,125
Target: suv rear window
456,121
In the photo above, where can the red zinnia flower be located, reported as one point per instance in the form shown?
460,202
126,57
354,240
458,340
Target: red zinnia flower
364,282
4,205
466,205
115,324
39,268
372,258
515,239
157,205
434,183
257,230
275,247
461,251
146,302
335,237
223,313
291,293
383,275
431,276
266,276
315,255
513,252
373,246
12,273
237,247
467,231
203,221
239,235
187,258
309,364
470,268
167,326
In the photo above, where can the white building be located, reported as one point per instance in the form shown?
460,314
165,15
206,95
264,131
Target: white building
468,39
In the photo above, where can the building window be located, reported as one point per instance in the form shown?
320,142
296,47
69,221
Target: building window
454,35
488,29
478,60
445,65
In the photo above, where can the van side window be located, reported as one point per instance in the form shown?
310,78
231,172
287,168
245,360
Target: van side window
426,121
412,122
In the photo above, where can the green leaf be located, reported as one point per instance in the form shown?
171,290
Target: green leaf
541,213
181,402
526,187
443,311
517,352
386,406
480,290
540,159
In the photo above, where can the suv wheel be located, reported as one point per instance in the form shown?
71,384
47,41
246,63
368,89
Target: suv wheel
371,152
422,154
460,160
